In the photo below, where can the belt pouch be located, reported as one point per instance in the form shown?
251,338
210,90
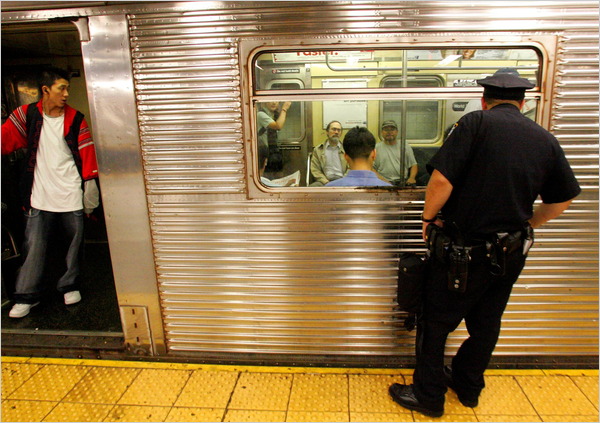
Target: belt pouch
458,269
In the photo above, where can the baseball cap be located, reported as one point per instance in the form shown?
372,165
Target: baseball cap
389,122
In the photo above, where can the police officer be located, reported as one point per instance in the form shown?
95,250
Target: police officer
479,206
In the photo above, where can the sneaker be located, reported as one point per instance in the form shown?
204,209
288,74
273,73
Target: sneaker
21,310
72,297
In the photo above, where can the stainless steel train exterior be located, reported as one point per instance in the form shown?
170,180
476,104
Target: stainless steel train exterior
211,265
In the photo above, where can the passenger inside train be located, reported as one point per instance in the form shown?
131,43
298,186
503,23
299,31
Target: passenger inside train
263,159
396,164
271,119
422,91
359,146
328,160
55,189
55,312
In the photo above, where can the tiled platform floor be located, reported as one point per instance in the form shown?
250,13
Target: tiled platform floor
38,389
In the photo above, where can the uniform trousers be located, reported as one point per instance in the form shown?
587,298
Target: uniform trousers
481,306
29,284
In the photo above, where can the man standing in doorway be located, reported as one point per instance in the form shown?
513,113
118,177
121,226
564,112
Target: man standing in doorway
57,187
484,181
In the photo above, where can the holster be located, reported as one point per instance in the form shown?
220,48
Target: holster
444,248
503,244
438,243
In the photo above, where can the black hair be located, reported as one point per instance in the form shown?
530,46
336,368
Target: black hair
329,124
359,142
52,74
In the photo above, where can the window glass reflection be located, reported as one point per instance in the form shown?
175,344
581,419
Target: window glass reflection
457,67
301,141
296,152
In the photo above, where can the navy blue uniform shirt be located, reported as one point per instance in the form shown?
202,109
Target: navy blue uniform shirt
498,162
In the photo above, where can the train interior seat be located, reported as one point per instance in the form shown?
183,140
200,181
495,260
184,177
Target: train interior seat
423,155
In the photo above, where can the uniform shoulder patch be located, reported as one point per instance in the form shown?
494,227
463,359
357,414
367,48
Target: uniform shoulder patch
452,129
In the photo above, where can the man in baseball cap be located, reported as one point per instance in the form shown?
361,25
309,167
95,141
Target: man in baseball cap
396,164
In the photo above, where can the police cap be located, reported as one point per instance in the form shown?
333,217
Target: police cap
505,86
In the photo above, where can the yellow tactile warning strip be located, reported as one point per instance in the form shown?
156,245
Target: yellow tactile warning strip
208,389
319,392
262,391
102,385
38,389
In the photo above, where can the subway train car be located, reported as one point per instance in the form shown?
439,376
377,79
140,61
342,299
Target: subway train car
197,256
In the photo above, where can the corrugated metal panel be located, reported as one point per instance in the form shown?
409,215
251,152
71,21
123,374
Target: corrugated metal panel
189,115
309,277
256,277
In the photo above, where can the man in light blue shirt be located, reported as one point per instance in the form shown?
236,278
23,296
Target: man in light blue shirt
359,147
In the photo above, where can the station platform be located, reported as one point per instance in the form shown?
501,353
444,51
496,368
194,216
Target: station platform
49,389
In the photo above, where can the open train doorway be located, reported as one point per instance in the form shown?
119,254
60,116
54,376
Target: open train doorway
92,327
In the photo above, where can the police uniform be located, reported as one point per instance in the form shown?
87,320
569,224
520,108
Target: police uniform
498,162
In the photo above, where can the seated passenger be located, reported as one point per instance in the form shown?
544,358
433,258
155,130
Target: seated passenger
327,162
359,145
263,158
387,163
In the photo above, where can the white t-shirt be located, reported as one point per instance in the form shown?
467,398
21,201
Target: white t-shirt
56,182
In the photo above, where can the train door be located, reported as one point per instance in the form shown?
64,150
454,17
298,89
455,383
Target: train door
94,323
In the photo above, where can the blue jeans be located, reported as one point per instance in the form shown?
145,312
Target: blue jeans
29,285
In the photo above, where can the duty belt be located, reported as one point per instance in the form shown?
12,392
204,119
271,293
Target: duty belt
457,252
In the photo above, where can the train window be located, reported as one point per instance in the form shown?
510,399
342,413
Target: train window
423,90
294,129
455,108
458,67
422,117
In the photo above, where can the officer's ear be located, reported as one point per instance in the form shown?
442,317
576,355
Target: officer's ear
484,105
45,90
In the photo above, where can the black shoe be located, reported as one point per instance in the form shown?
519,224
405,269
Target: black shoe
404,395
472,403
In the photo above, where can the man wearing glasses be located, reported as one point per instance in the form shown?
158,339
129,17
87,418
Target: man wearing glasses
328,163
